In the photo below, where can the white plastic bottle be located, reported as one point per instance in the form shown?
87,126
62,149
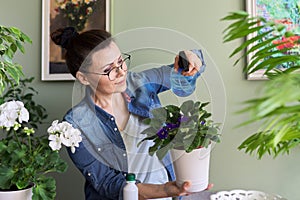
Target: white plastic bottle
130,191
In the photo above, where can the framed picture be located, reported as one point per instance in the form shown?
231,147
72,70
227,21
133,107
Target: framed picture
81,14
285,12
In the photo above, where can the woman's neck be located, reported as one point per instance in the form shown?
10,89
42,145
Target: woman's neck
115,105
104,102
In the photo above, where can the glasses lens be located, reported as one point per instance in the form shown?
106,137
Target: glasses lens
113,74
127,61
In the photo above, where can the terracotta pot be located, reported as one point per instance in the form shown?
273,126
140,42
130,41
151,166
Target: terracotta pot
193,166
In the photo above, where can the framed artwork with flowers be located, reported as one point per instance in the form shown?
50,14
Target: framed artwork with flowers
80,14
282,12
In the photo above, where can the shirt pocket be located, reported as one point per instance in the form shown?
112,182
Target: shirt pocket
106,155
104,161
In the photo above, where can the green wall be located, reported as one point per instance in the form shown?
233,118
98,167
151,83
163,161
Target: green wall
199,20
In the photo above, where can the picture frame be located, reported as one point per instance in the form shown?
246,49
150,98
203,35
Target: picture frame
53,66
277,10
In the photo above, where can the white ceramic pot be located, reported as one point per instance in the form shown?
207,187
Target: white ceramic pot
193,166
25,194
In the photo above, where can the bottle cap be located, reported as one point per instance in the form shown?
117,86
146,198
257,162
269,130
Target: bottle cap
130,177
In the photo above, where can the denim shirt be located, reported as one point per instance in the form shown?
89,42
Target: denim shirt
101,156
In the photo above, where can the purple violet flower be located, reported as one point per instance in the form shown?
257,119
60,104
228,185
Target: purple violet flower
170,126
183,118
162,133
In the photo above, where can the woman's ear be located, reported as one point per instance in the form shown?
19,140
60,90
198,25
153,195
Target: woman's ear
82,78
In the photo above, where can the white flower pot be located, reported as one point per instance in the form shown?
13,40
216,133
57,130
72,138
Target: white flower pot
25,194
193,166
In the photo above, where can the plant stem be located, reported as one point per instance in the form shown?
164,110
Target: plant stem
29,143
18,141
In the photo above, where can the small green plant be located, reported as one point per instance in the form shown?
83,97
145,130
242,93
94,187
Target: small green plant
11,40
186,127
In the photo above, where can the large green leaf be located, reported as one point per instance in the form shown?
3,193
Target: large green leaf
44,188
6,174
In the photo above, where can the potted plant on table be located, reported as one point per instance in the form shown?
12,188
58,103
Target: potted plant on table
184,130
25,156
275,50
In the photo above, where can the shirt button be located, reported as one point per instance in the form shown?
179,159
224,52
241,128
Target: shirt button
89,174
115,129
99,149
124,154
112,119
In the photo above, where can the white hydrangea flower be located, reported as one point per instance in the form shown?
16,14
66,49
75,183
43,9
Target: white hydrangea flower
12,111
23,115
8,119
64,133
54,127
65,126
55,142
71,138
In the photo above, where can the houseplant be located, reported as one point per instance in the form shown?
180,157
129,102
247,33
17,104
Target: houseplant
185,130
277,108
11,40
26,157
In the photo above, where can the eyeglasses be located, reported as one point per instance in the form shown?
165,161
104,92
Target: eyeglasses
114,71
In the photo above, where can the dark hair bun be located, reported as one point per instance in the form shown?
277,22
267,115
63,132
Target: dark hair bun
62,36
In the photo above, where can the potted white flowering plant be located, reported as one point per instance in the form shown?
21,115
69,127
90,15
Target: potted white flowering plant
26,155
185,130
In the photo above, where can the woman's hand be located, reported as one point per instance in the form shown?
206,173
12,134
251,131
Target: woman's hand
194,63
169,189
173,190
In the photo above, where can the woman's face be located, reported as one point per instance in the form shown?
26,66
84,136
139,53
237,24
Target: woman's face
104,61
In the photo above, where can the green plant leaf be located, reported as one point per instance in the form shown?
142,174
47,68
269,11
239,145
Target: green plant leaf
187,106
44,188
159,113
236,15
155,147
6,174
161,152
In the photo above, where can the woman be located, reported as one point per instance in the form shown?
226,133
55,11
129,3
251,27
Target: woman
110,115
